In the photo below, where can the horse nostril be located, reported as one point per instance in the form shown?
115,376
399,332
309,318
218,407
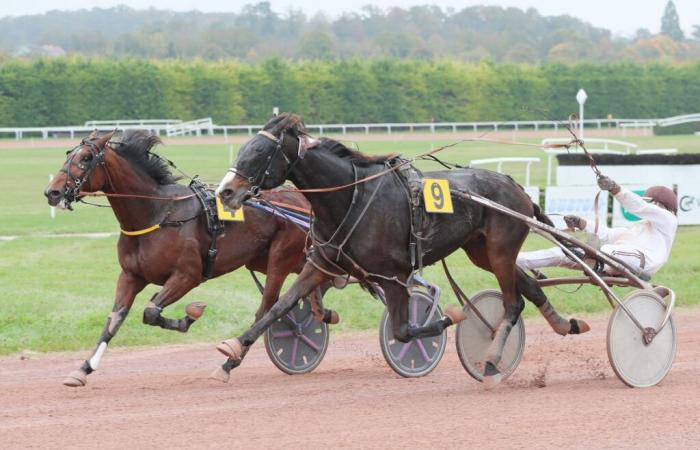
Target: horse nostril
226,193
52,193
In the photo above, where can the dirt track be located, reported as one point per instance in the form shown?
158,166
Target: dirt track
564,394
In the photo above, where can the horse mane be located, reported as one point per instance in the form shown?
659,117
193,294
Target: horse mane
135,146
293,124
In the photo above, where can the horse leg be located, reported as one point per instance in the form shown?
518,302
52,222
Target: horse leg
501,245
174,288
529,287
128,286
404,331
273,284
308,279
321,314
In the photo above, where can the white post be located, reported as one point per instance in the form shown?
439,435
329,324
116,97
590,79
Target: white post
275,111
581,97
52,210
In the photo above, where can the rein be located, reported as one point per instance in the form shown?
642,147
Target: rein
429,154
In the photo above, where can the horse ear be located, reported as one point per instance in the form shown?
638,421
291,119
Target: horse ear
102,140
305,143
95,133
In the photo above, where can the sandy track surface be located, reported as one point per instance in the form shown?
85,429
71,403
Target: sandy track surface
564,394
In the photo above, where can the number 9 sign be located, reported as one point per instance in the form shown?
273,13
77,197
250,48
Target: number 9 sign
436,196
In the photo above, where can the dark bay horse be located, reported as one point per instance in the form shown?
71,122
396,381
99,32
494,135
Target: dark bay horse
146,193
365,230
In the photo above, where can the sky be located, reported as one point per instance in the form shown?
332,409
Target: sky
622,17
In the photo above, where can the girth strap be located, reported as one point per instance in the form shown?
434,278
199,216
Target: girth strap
214,226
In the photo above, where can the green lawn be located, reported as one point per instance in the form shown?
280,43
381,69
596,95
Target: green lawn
57,292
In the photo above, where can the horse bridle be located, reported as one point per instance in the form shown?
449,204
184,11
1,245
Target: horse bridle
257,181
71,194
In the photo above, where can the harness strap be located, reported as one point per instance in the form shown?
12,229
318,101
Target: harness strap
141,232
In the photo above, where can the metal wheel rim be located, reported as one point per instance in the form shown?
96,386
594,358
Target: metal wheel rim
296,343
473,337
636,364
402,357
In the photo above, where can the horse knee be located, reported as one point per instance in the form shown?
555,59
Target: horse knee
151,314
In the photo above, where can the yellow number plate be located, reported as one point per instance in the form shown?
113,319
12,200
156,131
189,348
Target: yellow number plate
436,195
226,214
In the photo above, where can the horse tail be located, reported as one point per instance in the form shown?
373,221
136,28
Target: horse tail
540,216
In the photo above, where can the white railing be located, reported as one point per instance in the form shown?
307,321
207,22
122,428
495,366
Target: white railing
120,123
193,127
604,146
500,161
161,126
678,120
432,127
657,151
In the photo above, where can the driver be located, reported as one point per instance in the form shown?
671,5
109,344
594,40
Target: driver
645,246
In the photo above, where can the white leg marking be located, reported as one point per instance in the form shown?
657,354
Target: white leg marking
95,360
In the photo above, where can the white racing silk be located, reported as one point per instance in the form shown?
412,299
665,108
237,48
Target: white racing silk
652,236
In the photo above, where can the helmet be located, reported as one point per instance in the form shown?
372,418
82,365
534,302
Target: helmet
663,196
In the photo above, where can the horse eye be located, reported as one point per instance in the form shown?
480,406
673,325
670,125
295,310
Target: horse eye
86,158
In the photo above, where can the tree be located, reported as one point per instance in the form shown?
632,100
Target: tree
670,25
696,32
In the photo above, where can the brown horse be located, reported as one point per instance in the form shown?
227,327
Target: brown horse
143,192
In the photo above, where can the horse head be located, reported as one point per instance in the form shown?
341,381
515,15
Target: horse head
83,170
265,161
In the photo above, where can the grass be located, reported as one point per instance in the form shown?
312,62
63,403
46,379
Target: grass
56,292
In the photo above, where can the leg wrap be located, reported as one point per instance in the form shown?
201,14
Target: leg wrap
151,314
557,322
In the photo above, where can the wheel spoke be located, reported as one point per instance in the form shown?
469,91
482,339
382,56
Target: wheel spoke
404,350
310,343
293,359
309,320
423,352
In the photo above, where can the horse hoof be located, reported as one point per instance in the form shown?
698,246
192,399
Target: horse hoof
220,375
340,282
492,376
578,326
331,317
455,314
231,348
491,381
195,310
583,327
77,378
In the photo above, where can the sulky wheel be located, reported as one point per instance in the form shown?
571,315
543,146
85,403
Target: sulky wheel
636,362
418,357
473,336
296,343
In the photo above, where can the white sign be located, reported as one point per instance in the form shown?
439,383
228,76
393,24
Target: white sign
581,96
688,204
576,200
622,217
534,193
657,174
